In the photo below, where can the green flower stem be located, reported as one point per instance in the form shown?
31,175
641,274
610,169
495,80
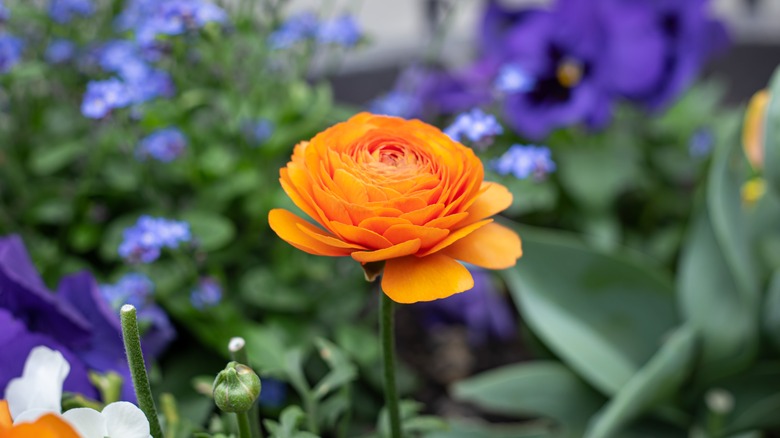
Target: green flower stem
386,328
135,359
244,429
237,347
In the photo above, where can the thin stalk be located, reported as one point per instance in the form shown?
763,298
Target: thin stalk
135,359
386,332
237,347
244,429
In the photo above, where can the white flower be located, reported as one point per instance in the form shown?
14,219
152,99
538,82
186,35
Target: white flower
118,420
39,391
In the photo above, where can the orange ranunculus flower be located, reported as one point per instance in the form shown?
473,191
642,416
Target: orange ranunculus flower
402,192
753,129
47,426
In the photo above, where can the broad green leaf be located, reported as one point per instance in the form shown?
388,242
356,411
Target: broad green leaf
772,134
603,314
546,389
756,394
212,231
261,287
771,317
657,382
711,302
463,429
727,213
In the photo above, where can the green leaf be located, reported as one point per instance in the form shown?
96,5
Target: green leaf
463,429
772,134
47,160
756,395
603,314
545,389
771,317
289,422
261,287
728,214
709,296
657,382
212,231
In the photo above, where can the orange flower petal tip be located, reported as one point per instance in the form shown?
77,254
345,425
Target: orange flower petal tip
385,189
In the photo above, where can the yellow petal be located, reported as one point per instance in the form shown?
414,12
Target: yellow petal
493,247
412,279
400,250
753,129
290,228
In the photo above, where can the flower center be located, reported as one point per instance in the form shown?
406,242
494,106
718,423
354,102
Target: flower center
569,72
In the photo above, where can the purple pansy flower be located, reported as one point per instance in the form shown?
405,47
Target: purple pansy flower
76,321
482,310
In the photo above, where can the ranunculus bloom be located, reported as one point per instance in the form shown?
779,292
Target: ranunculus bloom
753,129
401,192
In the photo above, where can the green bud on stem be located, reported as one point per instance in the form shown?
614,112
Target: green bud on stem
236,388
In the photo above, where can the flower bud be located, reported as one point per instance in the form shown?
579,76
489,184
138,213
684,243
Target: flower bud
236,388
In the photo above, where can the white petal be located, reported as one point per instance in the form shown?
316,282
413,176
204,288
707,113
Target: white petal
89,423
30,415
40,387
125,420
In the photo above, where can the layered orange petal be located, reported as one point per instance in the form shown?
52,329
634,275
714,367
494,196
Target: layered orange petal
413,279
290,228
400,250
493,199
455,236
493,246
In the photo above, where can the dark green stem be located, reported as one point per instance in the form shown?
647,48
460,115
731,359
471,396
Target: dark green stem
386,328
135,359
244,429
237,347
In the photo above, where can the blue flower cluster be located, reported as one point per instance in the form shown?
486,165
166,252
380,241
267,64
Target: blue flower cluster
342,31
138,290
152,18
63,11
396,103
207,294
512,78
525,161
144,241
257,131
10,52
133,288
162,145
60,51
136,82
480,128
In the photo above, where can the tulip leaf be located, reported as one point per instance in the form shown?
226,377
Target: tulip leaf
771,317
547,389
709,297
756,399
658,381
728,215
603,314
772,134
